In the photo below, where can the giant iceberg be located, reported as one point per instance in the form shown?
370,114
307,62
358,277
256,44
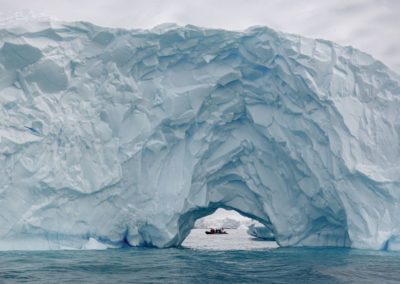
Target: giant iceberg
260,232
127,137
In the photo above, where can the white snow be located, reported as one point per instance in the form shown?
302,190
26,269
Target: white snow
117,137
227,219
93,244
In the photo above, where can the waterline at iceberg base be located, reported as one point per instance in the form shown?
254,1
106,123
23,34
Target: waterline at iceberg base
112,137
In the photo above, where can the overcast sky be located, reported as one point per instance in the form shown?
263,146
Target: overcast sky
370,25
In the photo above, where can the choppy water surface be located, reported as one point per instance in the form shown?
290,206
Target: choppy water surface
234,240
201,265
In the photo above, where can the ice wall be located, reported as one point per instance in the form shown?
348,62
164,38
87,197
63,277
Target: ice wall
127,137
261,232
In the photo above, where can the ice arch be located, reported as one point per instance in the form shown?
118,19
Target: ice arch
126,137
252,175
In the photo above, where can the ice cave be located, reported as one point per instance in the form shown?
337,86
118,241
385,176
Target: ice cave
113,137
228,230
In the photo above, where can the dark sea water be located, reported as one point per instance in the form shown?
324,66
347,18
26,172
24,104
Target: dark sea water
188,265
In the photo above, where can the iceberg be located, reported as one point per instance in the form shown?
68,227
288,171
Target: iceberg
226,223
261,232
114,137
224,219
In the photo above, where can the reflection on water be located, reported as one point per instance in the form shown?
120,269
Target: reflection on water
234,240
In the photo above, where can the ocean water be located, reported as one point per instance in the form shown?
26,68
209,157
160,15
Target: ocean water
234,240
200,262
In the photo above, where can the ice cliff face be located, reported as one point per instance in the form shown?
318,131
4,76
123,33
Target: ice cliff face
261,232
127,137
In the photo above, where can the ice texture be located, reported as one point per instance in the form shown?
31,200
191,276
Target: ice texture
226,223
225,219
261,232
113,137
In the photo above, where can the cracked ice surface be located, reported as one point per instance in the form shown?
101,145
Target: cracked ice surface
114,137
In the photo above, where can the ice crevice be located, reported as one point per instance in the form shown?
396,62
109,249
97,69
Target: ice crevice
112,137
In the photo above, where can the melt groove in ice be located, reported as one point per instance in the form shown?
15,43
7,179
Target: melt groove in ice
112,137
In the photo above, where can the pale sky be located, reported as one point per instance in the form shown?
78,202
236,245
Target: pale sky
370,25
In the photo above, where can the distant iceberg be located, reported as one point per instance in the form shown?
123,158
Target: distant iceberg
113,137
225,219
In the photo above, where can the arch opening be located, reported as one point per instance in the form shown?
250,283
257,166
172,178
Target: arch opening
238,232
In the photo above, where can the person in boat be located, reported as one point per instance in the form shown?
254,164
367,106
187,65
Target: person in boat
213,231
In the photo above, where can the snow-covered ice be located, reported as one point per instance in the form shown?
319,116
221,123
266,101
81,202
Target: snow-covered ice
225,219
111,137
